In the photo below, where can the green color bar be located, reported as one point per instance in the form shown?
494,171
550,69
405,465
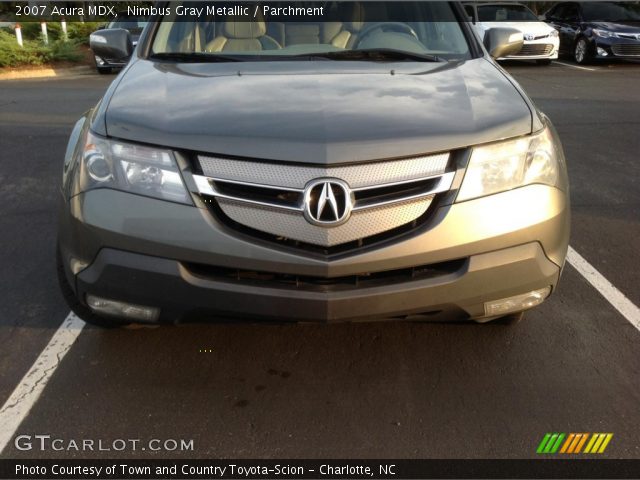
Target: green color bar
555,448
550,443
543,443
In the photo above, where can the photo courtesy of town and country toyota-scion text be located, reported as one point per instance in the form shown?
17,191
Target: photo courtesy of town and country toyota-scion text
309,239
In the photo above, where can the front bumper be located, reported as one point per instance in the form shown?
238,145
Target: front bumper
613,47
182,295
109,63
139,250
534,50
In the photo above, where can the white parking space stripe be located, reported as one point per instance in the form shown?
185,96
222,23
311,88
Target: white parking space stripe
576,66
25,395
614,296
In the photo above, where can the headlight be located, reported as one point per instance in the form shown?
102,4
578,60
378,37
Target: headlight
603,33
131,168
553,33
506,165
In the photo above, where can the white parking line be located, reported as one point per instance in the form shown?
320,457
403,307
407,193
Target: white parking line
614,296
25,395
576,66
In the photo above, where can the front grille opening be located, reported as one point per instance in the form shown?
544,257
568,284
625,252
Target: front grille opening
394,192
626,49
534,49
271,279
276,196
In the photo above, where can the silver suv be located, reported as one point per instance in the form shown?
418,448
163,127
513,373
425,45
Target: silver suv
334,162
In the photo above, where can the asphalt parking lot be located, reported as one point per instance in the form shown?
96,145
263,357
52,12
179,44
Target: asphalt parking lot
364,390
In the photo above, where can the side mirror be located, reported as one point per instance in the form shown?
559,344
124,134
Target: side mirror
502,42
113,43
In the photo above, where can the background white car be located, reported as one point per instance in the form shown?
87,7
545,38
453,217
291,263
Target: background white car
541,40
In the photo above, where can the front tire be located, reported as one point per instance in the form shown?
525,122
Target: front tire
581,51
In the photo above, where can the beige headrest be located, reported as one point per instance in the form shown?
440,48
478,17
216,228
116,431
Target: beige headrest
352,15
239,27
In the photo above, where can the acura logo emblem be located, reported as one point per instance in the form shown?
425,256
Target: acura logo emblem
529,36
327,202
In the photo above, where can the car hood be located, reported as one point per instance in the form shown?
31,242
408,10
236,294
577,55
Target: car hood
533,28
618,27
318,112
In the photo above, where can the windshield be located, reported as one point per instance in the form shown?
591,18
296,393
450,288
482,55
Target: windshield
611,12
129,23
505,13
339,30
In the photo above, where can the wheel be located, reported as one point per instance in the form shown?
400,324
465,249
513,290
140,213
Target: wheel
581,52
543,62
82,311
104,70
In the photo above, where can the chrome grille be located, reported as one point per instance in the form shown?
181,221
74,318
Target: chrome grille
270,197
297,176
533,49
626,49
363,223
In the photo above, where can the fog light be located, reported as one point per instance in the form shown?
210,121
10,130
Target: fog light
122,309
602,52
516,303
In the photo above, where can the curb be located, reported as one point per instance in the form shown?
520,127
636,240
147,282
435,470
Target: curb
46,72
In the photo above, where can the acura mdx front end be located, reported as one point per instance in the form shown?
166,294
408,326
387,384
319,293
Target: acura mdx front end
373,164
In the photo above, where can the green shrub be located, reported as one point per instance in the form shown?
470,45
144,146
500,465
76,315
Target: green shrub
65,51
33,31
11,54
75,30
81,31
34,52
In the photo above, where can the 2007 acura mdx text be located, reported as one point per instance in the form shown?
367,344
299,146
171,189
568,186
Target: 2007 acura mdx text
374,163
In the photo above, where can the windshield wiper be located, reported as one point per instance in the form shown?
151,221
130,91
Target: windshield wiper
195,57
375,54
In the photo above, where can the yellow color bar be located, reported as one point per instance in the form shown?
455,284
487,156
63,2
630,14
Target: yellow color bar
596,445
591,442
607,439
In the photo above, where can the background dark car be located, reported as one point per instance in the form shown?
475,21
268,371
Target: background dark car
597,30
134,25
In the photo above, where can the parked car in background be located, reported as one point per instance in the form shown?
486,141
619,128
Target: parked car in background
597,30
540,40
134,25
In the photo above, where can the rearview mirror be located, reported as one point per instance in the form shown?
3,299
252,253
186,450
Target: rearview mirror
542,18
502,42
112,43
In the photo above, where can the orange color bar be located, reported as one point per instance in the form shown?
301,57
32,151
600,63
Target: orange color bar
576,439
567,442
581,443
